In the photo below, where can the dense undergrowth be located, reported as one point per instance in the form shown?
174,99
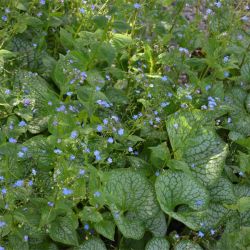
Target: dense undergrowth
124,125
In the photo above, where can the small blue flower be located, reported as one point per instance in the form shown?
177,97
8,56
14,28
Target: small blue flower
208,87
74,134
18,183
199,203
12,140
130,149
121,131
2,224
86,227
105,121
4,191
96,152
4,18
7,91
20,154
50,204
30,183
49,103
137,6
81,172
72,157
201,234
226,74
109,160
164,104
69,93
217,4
2,248
7,10
57,151
67,191
42,2
99,128
226,59
157,173
244,18
97,88
82,10
26,238
97,194
26,102
34,172
1,178
212,232
24,149
110,140
164,78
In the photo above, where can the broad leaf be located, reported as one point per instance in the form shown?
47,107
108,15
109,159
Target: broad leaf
132,201
63,230
92,244
187,245
195,141
177,188
157,244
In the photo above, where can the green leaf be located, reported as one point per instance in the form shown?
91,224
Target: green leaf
66,39
243,205
194,141
106,228
121,41
63,230
157,244
90,214
6,53
92,244
223,192
105,52
100,21
176,188
157,225
159,155
132,201
187,245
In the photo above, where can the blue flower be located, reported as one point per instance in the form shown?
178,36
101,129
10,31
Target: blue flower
20,154
12,140
105,121
82,10
226,74
86,227
57,151
2,248
157,173
72,157
99,128
137,6
1,178
164,78
199,203
30,183
74,134
26,238
121,131
81,172
67,191
97,194
24,149
26,102
4,191
130,149
212,232
4,18
18,183
109,160
42,2
201,234
226,59
7,91
110,140
50,204
2,224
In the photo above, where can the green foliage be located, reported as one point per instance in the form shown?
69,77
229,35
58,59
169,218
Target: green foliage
124,125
